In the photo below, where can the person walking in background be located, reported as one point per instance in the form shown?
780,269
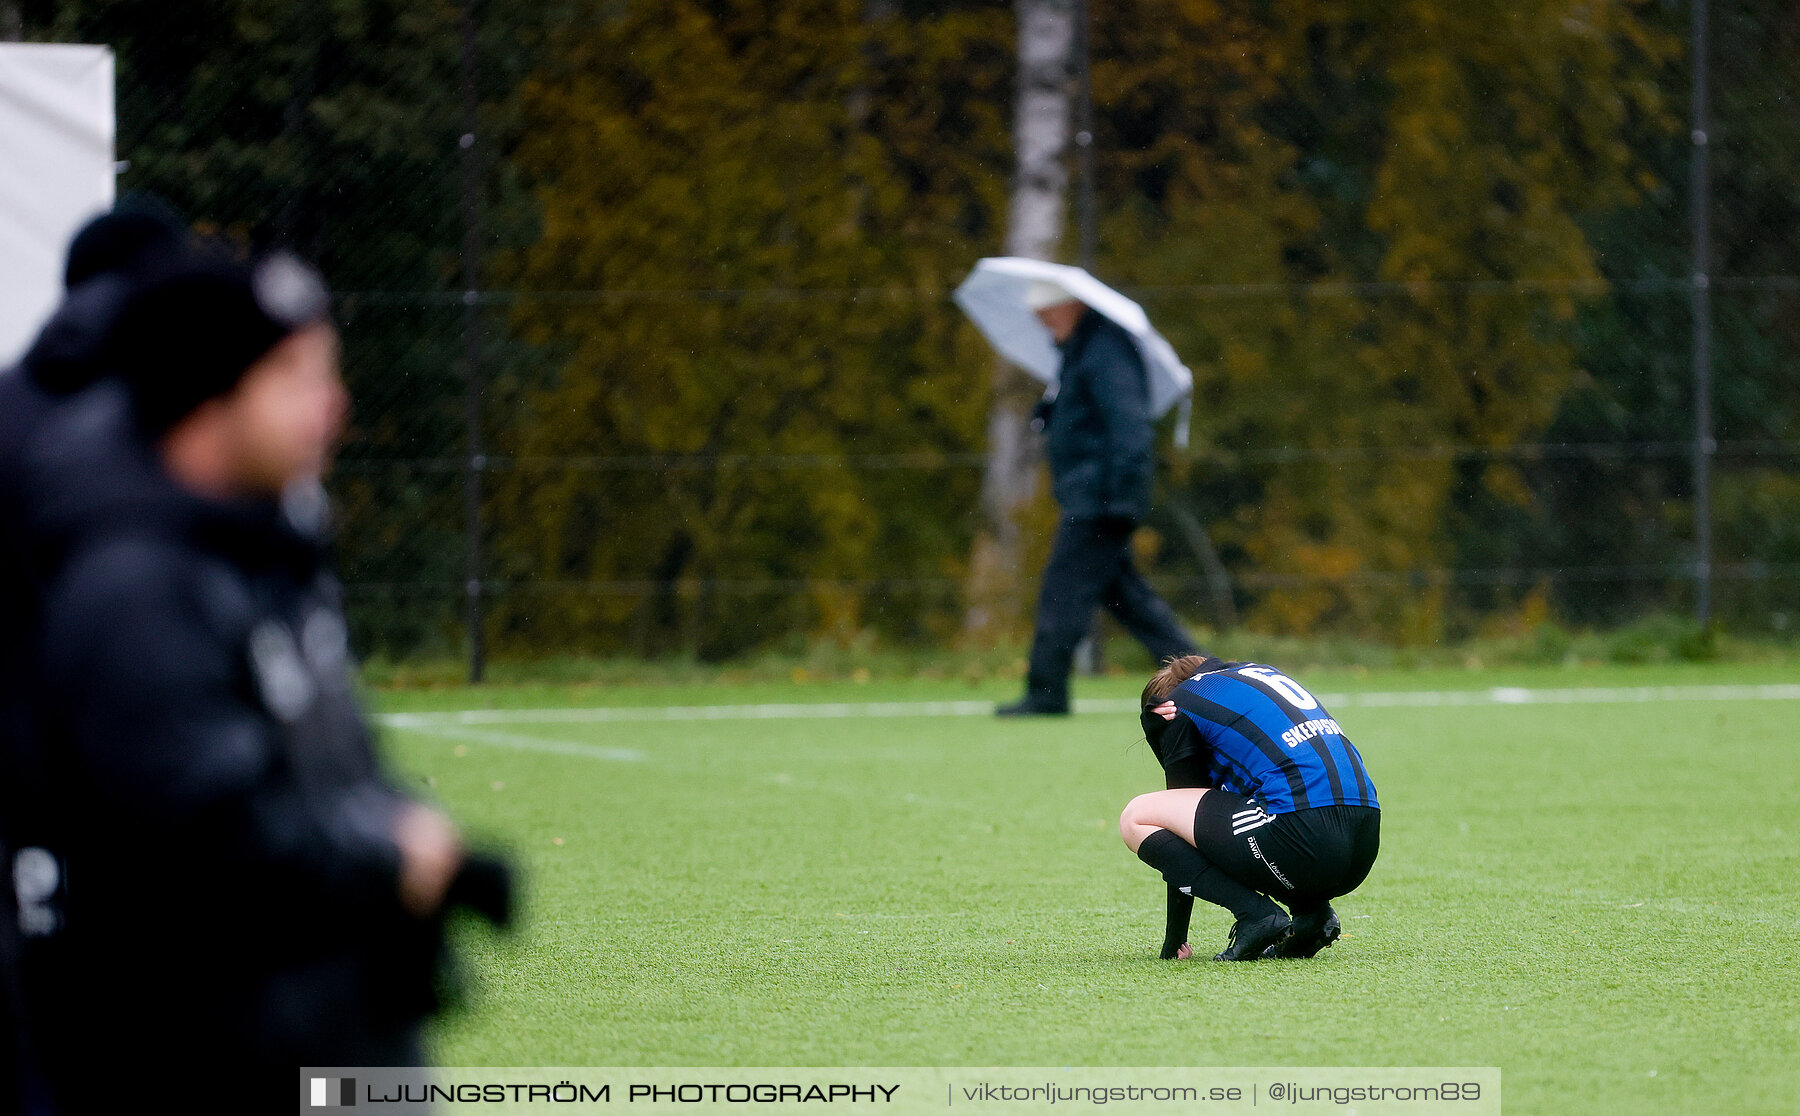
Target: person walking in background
247,893
1098,437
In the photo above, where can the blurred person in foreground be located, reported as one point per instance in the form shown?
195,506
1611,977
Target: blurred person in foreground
246,892
105,256
1267,797
1097,437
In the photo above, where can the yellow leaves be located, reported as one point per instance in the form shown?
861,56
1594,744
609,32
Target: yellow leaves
1508,484
1242,362
717,182
1324,561
720,176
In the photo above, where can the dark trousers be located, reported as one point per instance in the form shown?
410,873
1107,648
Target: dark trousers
1090,565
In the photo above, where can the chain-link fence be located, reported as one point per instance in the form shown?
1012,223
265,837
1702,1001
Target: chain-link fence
653,350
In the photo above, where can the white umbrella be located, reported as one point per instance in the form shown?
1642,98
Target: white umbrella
994,298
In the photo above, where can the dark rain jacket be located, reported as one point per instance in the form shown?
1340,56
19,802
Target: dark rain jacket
64,357
22,408
1098,436
225,829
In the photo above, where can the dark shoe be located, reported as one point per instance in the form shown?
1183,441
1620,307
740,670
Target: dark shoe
1249,937
1311,932
1033,706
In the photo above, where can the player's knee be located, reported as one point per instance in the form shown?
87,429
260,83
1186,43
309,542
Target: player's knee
1134,819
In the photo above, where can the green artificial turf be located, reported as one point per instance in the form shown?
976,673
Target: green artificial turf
1599,899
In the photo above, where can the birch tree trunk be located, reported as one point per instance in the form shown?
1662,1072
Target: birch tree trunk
1035,218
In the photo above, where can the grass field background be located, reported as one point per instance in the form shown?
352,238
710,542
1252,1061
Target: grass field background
1600,898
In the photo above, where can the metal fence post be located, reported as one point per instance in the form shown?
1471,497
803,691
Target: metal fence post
471,328
1701,297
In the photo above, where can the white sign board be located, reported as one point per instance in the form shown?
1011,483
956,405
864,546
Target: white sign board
56,172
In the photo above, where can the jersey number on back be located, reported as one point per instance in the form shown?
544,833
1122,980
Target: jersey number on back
1281,684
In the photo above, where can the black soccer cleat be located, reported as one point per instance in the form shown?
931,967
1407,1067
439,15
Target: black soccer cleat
1249,937
1034,706
1310,933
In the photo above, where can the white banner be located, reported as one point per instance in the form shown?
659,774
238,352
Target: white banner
56,172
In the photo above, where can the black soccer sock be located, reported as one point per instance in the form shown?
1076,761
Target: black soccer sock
1186,868
1310,908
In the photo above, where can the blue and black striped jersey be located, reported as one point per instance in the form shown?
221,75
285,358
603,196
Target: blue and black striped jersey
1270,740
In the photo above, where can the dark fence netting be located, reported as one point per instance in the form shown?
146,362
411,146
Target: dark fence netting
645,306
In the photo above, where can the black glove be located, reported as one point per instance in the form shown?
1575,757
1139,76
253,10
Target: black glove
483,885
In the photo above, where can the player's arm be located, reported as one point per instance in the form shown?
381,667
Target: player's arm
1184,766
1183,771
1181,910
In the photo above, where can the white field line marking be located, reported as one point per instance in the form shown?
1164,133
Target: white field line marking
783,712
406,722
1596,695
1501,695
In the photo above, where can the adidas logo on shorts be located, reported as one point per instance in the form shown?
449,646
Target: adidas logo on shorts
1244,821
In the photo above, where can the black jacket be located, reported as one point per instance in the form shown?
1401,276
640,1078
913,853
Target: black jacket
1099,433
65,356
225,826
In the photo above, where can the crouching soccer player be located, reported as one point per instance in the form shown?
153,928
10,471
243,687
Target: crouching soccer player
1267,798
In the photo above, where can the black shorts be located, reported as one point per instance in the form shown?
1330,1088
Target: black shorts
1307,856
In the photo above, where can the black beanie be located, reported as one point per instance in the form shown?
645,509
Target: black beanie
137,229
197,324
